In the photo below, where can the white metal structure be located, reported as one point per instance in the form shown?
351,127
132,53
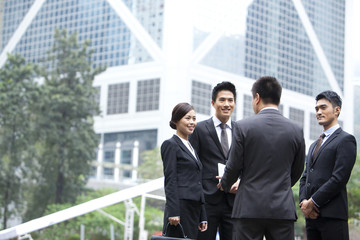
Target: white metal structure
81,209
143,234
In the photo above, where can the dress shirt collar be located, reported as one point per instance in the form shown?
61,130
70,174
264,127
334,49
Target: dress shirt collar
269,108
188,146
331,130
182,139
217,122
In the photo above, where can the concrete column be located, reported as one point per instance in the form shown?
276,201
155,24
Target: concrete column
99,161
117,162
135,160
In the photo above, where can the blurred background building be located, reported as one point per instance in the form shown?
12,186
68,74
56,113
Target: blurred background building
162,52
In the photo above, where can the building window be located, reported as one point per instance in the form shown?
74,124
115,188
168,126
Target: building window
147,140
126,174
297,116
109,156
248,110
108,173
148,95
126,156
93,172
118,98
315,128
201,97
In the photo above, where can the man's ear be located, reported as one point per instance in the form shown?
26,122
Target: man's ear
212,102
257,98
337,111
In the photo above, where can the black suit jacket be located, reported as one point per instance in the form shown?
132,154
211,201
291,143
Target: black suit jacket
207,144
268,153
324,179
182,173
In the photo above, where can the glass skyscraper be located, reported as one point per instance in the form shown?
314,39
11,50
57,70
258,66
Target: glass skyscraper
161,52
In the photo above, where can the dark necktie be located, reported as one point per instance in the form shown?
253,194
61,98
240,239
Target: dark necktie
224,139
318,145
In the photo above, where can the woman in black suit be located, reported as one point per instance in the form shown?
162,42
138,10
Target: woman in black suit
182,171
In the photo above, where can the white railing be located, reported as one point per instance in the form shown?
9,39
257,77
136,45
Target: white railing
81,209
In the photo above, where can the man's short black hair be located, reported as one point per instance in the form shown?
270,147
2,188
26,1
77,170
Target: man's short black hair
268,88
223,86
331,96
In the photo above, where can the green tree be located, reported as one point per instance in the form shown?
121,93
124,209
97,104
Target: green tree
65,123
300,222
353,189
17,95
152,167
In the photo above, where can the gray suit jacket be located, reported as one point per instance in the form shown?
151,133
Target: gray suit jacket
268,153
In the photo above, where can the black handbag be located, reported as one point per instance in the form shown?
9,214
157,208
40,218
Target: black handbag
164,237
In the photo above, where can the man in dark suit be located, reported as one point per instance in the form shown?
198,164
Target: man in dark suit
323,194
268,154
212,144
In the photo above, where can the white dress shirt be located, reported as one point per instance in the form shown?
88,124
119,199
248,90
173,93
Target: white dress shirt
217,123
188,145
329,132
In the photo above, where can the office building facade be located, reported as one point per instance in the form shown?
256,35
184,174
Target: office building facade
162,52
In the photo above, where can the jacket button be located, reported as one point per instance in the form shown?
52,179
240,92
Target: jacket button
311,170
199,183
308,184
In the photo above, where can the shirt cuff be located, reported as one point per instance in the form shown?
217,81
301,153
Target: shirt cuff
314,202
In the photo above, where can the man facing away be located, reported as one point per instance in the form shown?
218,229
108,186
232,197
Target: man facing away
212,140
268,154
323,194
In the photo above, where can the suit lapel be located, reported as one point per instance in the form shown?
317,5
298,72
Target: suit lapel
310,162
185,149
212,131
331,138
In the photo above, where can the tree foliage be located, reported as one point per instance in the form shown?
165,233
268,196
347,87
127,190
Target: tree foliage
152,167
353,189
18,92
65,123
300,222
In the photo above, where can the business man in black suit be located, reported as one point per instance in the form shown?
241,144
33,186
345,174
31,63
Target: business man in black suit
207,141
268,154
323,194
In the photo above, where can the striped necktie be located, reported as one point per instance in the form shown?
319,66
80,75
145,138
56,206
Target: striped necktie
318,145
